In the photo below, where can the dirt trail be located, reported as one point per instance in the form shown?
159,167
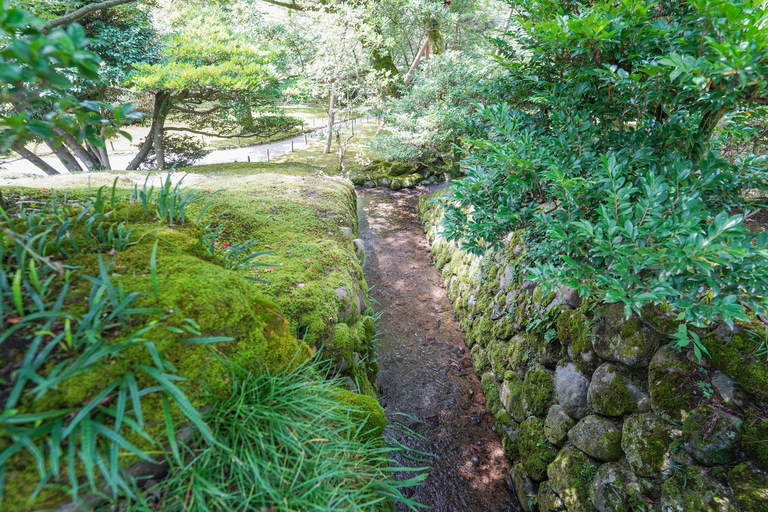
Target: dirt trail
424,363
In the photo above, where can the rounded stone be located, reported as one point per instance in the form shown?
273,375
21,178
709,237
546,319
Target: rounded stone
598,437
750,486
535,451
673,384
694,490
612,394
609,488
570,476
538,391
557,424
645,441
525,488
548,500
622,340
711,436
572,387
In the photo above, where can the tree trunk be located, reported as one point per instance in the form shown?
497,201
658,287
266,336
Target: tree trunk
88,159
707,127
103,157
436,39
161,97
331,112
39,162
158,144
65,157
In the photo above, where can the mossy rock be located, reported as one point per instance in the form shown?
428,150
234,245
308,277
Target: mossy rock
609,488
570,476
755,441
695,490
491,391
598,437
736,358
574,332
480,361
712,436
535,451
498,354
538,391
525,488
611,393
511,396
548,500
370,415
673,384
557,424
645,441
750,487
627,341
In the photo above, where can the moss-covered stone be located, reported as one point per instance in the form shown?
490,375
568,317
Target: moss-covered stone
480,361
609,488
626,341
750,487
574,332
672,381
570,476
557,424
612,394
525,488
511,396
498,354
538,391
491,391
736,358
598,437
535,451
645,441
548,500
371,415
755,441
712,436
693,489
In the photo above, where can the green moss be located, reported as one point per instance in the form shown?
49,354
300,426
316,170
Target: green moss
735,358
672,384
535,451
573,329
614,399
503,329
498,354
502,417
370,412
538,391
755,441
491,391
480,361
750,486
481,331
570,476
693,490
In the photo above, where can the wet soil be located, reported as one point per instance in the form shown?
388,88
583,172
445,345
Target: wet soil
425,370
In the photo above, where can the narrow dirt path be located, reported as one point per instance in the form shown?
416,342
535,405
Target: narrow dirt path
424,363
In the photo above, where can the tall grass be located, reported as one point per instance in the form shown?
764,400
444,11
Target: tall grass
285,443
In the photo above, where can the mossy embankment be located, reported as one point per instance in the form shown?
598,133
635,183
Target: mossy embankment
315,299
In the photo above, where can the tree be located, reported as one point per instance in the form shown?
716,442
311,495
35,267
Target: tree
605,154
215,80
37,93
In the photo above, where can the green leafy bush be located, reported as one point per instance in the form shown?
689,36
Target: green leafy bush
180,151
605,155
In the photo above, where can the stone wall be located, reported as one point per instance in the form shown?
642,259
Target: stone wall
599,412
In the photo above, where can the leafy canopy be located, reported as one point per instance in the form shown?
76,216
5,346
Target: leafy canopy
603,151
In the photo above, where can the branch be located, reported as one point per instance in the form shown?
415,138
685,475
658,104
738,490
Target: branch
83,12
197,112
293,5
221,136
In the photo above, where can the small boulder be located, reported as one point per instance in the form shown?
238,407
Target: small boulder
525,488
572,386
729,390
645,441
609,488
548,500
557,424
694,490
571,475
626,341
570,296
347,231
598,437
613,394
538,391
750,486
535,451
711,436
672,380
511,396
507,278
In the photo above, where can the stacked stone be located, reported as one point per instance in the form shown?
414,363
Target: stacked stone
596,410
